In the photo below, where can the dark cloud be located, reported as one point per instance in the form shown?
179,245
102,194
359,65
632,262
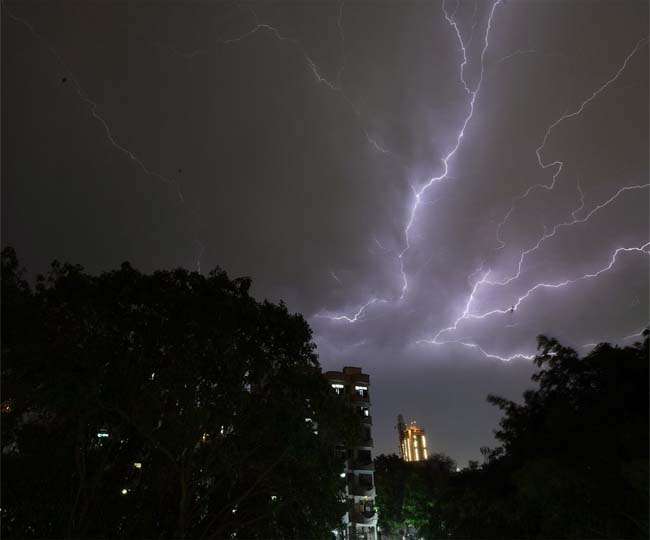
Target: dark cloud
307,186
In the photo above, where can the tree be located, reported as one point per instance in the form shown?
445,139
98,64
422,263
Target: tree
407,492
573,460
170,405
578,445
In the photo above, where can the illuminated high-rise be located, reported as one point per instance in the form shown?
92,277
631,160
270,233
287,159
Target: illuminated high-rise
412,441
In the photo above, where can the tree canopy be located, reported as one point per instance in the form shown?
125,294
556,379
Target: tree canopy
572,461
170,405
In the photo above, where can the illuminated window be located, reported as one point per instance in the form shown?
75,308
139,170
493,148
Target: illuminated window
338,388
137,465
361,391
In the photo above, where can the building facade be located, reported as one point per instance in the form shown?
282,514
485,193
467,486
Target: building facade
412,441
360,521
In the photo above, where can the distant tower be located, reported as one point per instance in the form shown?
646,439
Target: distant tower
413,442
401,434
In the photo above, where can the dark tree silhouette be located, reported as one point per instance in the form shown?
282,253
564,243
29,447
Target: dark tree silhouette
573,459
170,405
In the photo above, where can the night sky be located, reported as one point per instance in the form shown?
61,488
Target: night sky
315,147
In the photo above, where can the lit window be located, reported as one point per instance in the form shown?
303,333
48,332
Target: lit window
137,465
124,491
361,391
342,475
102,434
338,388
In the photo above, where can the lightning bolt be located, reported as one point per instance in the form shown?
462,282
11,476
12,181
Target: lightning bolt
356,316
518,52
335,277
466,315
199,255
554,231
316,71
339,23
418,193
558,165
92,108
636,334
459,137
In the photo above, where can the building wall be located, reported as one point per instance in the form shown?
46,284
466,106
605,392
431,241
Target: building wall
360,522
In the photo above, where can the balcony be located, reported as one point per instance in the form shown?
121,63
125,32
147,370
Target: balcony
360,465
364,518
362,490
366,442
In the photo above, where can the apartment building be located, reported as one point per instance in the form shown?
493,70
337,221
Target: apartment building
360,521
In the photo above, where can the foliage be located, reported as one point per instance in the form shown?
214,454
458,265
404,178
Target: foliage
170,405
573,460
407,492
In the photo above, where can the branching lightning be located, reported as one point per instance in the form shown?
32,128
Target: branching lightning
557,164
484,276
575,220
553,232
418,193
333,85
467,315
358,316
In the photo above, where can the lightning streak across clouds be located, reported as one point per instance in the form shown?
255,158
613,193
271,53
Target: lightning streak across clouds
92,108
479,279
466,315
557,164
334,86
419,192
